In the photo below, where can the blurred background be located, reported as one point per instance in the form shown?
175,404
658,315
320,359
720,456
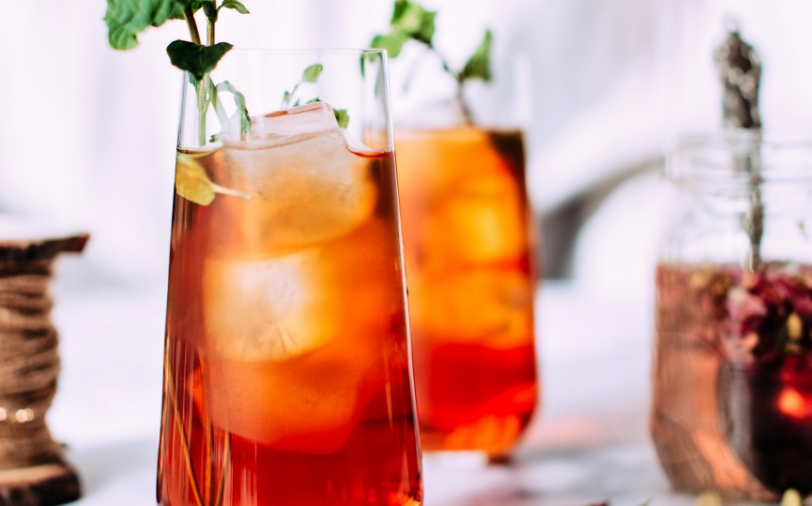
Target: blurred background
87,139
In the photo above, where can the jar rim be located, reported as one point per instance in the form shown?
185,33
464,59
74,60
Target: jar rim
741,157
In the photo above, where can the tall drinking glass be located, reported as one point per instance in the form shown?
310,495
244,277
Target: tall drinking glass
469,247
287,369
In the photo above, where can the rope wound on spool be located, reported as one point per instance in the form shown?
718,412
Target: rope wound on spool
29,360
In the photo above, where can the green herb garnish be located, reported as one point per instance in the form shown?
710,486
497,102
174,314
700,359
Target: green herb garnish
126,19
411,21
311,75
342,117
193,184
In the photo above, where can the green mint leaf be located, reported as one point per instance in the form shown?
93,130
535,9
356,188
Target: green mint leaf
210,9
236,5
125,19
427,28
313,100
415,20
239,100
197,4
286,97
397,13
311,74
342,117
393,43
407,15
479,65
197,60
298,101
410,20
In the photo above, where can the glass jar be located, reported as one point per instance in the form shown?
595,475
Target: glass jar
732,375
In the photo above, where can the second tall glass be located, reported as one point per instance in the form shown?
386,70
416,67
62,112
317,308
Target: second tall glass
287,372
468,242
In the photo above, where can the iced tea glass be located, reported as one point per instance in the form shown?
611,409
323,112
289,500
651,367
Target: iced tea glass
287,374
468,243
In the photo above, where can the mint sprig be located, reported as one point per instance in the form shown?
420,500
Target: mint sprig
126,19
311,75
411,21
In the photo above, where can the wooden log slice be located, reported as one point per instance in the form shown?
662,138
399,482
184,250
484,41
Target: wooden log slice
45,485
12,251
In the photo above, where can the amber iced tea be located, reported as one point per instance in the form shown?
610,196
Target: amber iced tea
287,371
468,250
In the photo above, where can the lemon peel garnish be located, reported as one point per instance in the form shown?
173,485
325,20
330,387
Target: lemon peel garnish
791,498
193,184
708,498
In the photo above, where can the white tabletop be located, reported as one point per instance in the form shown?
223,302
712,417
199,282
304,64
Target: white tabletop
588,442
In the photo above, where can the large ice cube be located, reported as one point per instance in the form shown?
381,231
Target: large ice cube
295,343
267,309
479,221
492,307
308,186
284,126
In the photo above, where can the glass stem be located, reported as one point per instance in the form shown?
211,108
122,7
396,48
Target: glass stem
466,109
192,24
202,107
218,106
200,86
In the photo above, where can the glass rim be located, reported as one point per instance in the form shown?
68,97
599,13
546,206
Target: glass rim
295,51
742,137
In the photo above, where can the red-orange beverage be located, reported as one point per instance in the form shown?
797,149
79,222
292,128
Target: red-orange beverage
468,249
287,368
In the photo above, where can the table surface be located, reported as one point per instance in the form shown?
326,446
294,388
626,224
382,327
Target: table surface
587,443
624,474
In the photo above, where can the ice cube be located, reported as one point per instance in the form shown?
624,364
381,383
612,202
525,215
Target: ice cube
479,221
264,310
308,186
281,126
486,306
307,405
295,343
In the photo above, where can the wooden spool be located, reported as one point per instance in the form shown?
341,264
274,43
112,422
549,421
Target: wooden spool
32,469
